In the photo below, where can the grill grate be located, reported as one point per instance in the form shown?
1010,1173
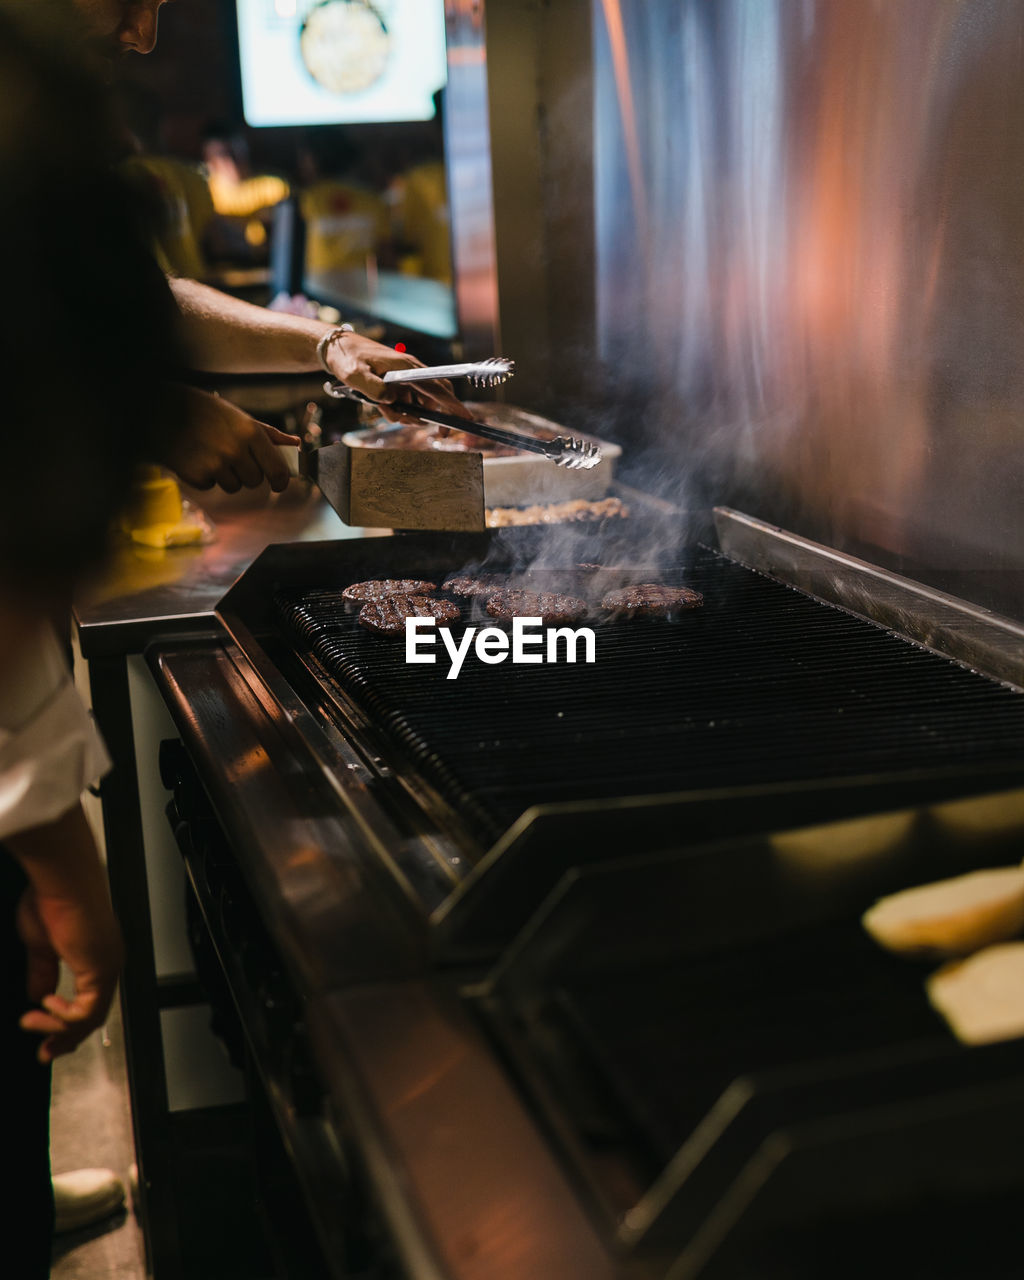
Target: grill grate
761,685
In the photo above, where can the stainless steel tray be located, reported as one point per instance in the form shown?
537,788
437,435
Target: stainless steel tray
524,478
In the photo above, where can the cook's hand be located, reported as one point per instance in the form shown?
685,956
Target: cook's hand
87,939
222,445
361,363
65,915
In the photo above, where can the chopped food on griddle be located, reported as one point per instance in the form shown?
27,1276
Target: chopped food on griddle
573,511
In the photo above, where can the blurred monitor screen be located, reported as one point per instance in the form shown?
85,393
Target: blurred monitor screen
340,61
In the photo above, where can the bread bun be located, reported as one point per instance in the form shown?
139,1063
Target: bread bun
951,917
996,815
838,843
982,998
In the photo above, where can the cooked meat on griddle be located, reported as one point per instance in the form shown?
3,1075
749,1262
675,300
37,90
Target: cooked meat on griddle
572,511
551,608
386,616
651,600
467,586
382,587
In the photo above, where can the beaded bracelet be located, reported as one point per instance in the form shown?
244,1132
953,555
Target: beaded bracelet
325,342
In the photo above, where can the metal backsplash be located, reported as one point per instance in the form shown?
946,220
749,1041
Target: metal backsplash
520,116
797,259
468,164
810,238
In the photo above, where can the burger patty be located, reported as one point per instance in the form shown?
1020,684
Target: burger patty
550,607
386,616
467,587
650,600
379,589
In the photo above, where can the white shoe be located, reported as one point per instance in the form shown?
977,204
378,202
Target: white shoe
85,1196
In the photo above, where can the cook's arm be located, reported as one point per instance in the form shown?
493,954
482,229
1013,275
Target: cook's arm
223,334
50,751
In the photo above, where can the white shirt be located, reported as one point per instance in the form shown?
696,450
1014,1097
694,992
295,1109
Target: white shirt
50,748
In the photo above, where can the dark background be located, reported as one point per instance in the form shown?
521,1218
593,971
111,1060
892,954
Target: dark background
191,83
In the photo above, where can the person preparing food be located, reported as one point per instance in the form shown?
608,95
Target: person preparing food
54,523
134,332
221,444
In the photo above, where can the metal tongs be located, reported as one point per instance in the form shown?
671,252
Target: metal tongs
563,451
491,372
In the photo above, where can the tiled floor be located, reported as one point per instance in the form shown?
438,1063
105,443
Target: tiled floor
91,1126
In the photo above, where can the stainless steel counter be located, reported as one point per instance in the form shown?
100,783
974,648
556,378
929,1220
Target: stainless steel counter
146,591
